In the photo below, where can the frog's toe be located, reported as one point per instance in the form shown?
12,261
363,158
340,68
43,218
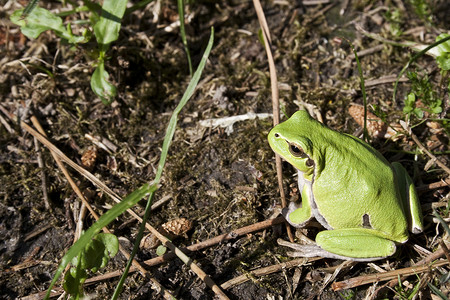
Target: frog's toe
301,250
314,250
416,230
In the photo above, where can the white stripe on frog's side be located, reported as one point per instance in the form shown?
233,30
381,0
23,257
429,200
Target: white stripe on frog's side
315,211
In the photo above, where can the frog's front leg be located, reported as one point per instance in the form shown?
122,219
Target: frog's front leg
299,214
358,244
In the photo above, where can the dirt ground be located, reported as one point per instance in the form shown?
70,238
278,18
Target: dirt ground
220,179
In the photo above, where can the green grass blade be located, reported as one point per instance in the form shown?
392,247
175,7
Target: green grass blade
103,221
437,291
29,8
183,33
165,149
441,221
363,90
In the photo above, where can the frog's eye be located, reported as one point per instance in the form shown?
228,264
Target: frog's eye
296,151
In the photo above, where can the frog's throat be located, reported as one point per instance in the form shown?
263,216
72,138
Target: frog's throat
308,183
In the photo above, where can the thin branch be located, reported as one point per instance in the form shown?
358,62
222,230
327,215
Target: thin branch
268,270
43,175
366,279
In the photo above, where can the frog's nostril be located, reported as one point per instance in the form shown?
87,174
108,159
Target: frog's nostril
277,135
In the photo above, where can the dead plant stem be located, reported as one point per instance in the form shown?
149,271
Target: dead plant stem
366,279
275,99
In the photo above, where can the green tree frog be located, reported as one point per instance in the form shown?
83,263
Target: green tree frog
367,204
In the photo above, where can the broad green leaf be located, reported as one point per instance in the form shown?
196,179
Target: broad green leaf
418,112
107,29
445,46
40,20
110,242
93,258
111,247
72,285
101,86
73,281
443,59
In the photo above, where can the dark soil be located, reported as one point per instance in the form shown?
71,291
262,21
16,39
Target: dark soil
219,181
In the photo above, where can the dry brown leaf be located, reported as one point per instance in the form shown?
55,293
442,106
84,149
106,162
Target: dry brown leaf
375,126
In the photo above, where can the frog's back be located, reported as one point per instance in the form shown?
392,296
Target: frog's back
359,182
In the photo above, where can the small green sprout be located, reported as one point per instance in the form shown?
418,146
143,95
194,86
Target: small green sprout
93,257
161,250
394,17
421,89
422,10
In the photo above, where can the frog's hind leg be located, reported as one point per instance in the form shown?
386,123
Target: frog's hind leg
360,244
411,203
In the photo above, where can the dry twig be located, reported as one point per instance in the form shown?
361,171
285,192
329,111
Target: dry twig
268,270
366,279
